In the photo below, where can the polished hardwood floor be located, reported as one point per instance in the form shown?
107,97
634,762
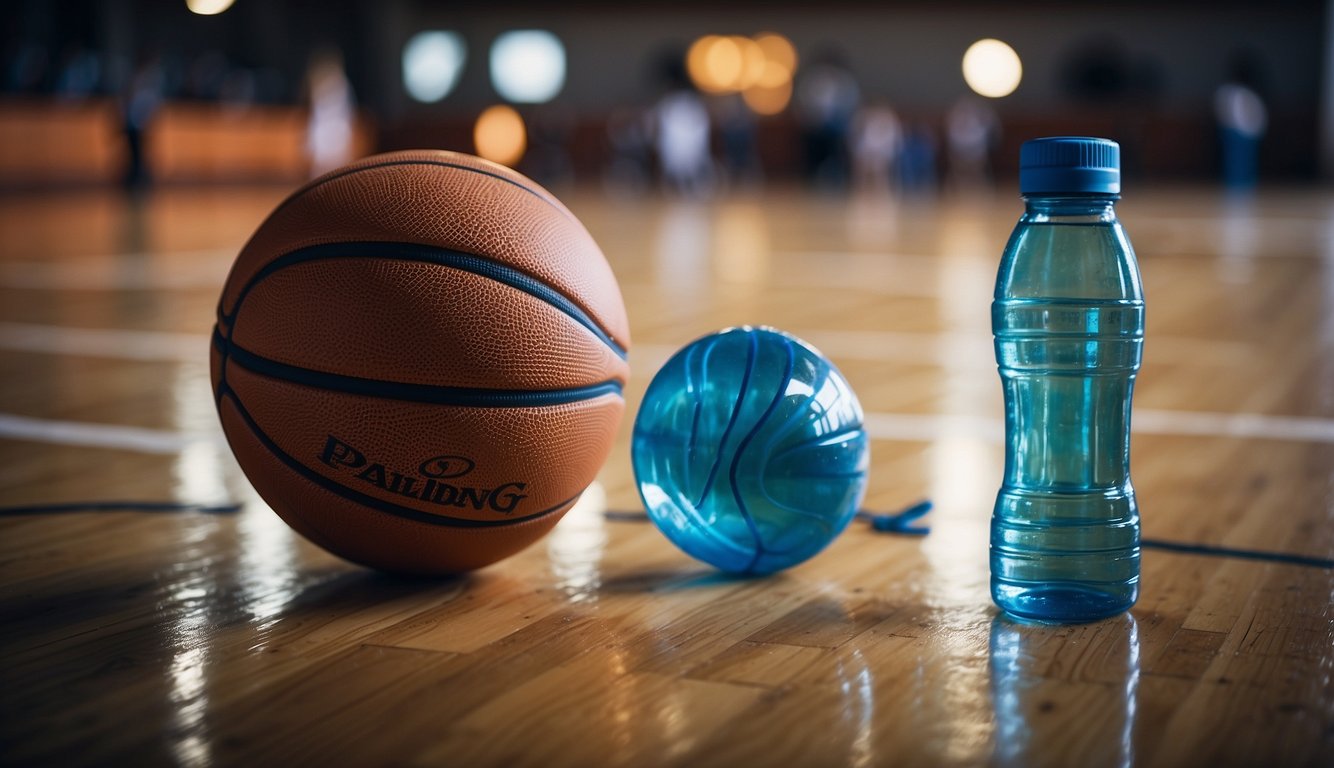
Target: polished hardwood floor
135,635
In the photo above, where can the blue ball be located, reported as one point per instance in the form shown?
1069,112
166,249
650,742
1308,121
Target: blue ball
750,451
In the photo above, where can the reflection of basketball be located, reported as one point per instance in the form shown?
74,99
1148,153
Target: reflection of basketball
419,359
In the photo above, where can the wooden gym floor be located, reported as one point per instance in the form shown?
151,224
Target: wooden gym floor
142,637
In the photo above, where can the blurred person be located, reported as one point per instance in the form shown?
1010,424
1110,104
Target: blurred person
139,103
971,130
827,96
331,104
237,92
877,136
1242,120
1096,69
80,75
551,128
27,69
205,76
737,127
631,155
680,124
917,161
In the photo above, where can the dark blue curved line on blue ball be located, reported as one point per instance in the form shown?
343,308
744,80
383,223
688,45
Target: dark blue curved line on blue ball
731,419
745,442
694,419
693,510
797,414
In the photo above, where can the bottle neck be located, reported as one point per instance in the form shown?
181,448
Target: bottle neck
1070,209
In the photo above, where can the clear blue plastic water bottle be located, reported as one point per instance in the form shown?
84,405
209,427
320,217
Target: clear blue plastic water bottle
1068,318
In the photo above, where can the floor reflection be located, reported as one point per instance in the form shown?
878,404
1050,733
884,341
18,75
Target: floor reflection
189,740
858,686
1239,241
575,547
681,250
741,248
189,597
1031,684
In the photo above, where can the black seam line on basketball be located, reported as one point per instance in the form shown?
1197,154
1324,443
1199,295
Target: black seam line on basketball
466,397
445,257
221,343
297,195
371,501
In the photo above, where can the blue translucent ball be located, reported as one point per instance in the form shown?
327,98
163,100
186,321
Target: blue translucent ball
749,450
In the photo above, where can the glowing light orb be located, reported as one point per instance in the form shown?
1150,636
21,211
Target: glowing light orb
528,66
432,63
500,135
761,68
992,68
208,7
768,100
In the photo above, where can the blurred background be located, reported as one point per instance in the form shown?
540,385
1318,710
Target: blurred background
681,98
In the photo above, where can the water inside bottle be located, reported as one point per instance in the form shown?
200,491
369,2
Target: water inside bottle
1069,324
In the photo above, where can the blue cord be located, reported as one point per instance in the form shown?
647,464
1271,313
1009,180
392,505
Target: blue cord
899,522
119,506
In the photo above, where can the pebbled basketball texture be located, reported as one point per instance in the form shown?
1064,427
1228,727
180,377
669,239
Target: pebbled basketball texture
419,361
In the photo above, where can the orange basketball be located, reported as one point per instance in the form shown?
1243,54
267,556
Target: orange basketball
419,359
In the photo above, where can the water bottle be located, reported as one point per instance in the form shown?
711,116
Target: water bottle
1068,319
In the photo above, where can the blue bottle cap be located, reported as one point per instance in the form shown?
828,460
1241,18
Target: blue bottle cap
1070,165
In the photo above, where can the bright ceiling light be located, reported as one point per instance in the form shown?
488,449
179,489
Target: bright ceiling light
778,50
768,100
208,7
992,68
732,64
528,66
432,62
500,135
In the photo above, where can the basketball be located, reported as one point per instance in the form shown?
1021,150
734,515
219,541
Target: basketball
419,360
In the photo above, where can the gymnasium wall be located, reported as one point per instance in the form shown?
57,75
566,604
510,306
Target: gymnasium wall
1143,72
53,144
908,53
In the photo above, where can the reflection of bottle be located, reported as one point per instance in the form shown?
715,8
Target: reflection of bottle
1026,686
1069,323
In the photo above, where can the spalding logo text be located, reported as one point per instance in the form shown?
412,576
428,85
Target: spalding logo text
428,485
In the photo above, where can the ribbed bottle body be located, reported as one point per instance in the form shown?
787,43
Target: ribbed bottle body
1068,319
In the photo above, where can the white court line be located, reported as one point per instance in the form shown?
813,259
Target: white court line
924,348
953,350
102,342
156,441
1252,426
1247,425
961,350
901,427
947,349
189,269
925,428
